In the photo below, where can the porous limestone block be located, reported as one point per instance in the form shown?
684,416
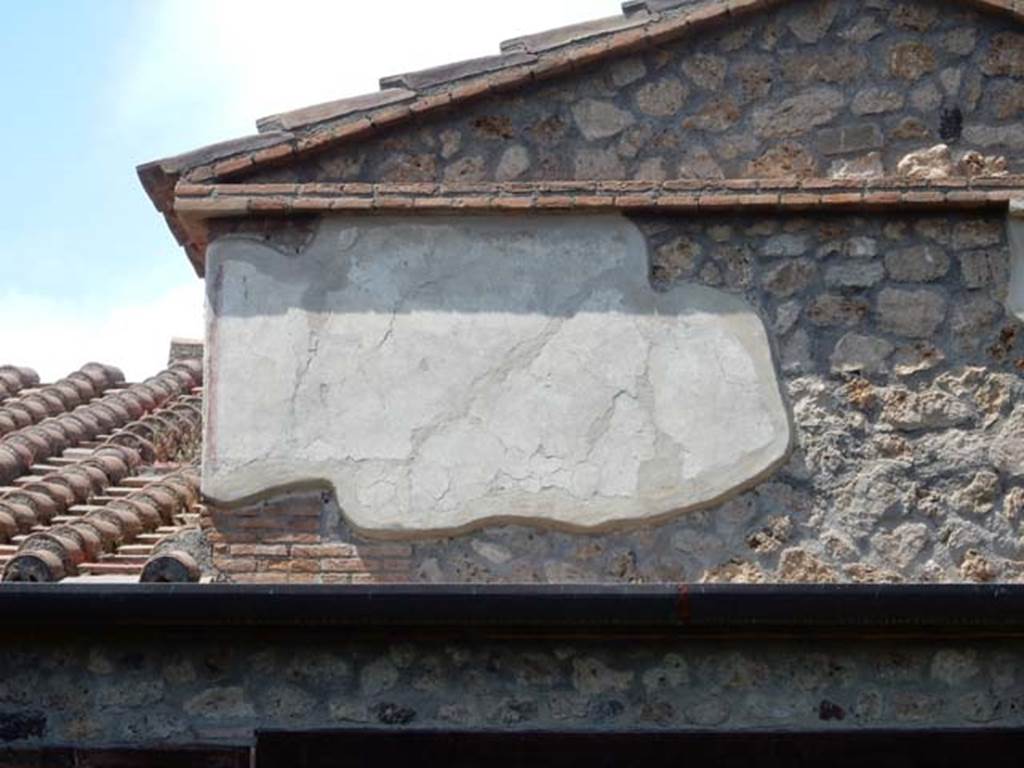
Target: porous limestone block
446,373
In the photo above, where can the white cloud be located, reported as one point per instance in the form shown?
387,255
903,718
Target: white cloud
230,62
55,338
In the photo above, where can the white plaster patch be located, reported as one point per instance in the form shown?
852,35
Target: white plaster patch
1015,294
444,373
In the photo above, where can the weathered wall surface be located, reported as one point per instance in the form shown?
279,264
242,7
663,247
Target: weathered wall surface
813,88
440,374
903,372
183,690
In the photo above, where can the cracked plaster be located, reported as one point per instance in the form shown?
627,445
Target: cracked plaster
442,374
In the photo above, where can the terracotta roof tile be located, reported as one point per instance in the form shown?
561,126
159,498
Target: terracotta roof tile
88,482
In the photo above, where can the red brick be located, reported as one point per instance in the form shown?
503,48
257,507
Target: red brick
235,564
678,201
635,201
513,203
232,165
799,199
554,202
843,198
323,550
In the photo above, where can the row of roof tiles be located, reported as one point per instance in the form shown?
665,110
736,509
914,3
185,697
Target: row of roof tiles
90,490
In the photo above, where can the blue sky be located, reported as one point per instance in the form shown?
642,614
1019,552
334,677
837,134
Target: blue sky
94,87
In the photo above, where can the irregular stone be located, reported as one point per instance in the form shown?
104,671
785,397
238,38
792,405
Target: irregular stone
920,264
927,164
917,314
626,71
926,97
734,572
491,552
1010,136
876,100
698,163
951,79
466,436
900,548
1005,56
980,269
868,166
911,128
1007,448
974,320
662,98
466,169
916,17
811,24
838,65
953,667
220,703
705,70
857,138
790,277
600,119
915,411
912,60
378,676
793,116
855,353
651,169
913,707
716,115
515,161
798,566
402,167
753,76
787,160
286,702
451,143
832,310
592,676
974,164
978,233
598,164
785,246
735,38
678,258
1008,99
976,567
916,358
961,41
979,497
854,274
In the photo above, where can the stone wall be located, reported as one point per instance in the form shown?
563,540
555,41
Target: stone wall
902,370
182,689
815,88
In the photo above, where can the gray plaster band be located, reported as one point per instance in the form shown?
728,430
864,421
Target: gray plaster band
445,373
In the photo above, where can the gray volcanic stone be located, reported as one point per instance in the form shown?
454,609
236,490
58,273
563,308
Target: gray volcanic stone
1007,450
915,314
920,264
863,354
793,116
600,119
876,100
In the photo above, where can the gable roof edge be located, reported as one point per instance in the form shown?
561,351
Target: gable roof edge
296,133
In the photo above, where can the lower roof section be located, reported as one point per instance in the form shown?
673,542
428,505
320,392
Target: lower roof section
681,611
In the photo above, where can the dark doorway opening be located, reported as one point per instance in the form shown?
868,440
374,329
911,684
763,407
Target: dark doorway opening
649,749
